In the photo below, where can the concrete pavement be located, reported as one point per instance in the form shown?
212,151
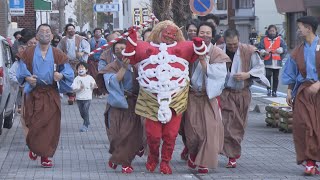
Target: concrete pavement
267,153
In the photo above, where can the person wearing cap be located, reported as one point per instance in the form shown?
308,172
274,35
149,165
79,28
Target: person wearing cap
301,73
77,50
17,35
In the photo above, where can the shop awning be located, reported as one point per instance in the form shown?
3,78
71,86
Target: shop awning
284,6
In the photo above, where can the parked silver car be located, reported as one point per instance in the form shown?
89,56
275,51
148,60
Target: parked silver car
8,90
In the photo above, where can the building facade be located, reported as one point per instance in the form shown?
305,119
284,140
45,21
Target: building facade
267,14
239,14
29,19
294,9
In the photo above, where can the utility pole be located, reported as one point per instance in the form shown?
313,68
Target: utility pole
231,13
62,19
4,18
94,16
80,17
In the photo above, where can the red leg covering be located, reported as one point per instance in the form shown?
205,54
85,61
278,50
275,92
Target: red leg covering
169,135
153,131
166,154
165,168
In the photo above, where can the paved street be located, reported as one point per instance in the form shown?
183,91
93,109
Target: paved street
267,153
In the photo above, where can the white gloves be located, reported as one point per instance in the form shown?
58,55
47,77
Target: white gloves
279,50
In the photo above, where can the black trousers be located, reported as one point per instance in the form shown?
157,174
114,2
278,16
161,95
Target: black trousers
274,73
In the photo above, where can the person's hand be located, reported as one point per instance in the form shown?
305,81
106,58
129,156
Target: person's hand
241,76
267,53
32,80
314,88
289,98
125,62
197,41
202,58
93,85
279,50
264,52
79,54
57,76
81,86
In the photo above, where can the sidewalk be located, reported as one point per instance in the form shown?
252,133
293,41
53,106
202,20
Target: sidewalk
267,153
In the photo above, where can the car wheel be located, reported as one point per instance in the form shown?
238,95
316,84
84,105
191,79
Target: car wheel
2,114
8,120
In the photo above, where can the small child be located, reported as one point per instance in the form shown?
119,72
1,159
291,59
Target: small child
83,86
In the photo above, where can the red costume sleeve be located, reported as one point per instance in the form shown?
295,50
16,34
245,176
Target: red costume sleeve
199,48
131,45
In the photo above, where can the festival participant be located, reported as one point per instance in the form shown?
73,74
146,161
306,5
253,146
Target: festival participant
245,66
301,73
203,124
191,28
95,42
41,68
123,126
77,50
164,84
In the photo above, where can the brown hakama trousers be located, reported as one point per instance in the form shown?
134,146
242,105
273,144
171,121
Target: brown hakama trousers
306,124
234,108
204,129
125,133
42,115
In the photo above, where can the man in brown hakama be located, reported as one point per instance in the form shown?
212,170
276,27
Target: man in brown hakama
203,123
301,73
245,67
42,106
124,128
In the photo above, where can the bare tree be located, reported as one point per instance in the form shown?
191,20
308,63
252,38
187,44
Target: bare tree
175,10
62,20
181,12
84,13
162,9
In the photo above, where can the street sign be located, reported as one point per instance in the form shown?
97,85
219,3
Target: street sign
106,7
17,7
201,7
43,5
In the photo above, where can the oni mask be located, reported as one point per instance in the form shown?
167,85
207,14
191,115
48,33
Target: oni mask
169,35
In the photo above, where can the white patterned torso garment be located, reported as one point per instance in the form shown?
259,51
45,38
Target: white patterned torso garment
162,78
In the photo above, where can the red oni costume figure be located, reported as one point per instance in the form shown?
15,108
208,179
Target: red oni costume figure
163,71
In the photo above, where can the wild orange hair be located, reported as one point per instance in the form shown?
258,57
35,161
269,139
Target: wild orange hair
156,31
